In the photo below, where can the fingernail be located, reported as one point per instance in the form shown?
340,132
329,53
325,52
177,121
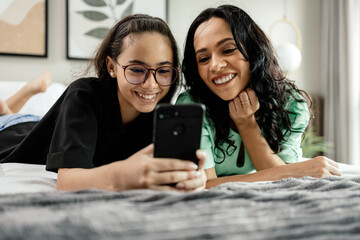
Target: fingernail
195,174
180,185
201,152
194,166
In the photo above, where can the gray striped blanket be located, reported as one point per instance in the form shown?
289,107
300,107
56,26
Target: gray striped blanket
306,208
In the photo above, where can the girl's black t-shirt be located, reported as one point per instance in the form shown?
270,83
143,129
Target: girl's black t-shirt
83,129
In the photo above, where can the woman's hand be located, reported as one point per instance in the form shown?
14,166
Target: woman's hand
318,167
141,170
243,107
242,112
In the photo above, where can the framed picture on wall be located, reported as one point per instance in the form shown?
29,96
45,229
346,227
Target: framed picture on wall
88,21
23,25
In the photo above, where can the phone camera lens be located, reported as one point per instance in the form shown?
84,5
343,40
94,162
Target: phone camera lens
178,130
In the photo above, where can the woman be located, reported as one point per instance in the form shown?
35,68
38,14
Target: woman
98,134
255,116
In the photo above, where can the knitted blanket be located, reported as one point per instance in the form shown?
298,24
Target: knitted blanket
306,208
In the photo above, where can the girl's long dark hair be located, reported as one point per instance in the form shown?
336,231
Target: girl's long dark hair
266,79
112,45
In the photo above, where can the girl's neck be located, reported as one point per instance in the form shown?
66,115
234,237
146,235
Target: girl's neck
128,115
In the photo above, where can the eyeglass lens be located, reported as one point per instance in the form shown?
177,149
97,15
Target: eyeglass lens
137,74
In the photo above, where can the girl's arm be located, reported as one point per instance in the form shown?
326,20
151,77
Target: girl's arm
316,167
139,171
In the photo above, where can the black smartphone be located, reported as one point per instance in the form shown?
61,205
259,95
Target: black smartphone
177,130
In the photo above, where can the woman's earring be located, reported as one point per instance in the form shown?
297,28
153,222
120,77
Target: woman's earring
112,74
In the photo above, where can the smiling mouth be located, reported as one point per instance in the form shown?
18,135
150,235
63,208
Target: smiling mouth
146,96
224,79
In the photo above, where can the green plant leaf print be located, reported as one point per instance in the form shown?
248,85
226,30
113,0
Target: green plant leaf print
128,10
99,33
119,2
93,15
95,3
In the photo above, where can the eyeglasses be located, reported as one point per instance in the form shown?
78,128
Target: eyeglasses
137,74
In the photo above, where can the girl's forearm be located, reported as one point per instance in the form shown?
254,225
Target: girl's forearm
71,179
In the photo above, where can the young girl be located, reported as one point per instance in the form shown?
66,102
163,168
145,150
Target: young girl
255,116
98,134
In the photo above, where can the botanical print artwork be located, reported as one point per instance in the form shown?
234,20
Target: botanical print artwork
96,15
88,21
23,27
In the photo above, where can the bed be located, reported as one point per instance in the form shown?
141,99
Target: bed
306,208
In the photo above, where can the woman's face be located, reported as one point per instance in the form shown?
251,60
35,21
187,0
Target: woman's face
220,63
149,49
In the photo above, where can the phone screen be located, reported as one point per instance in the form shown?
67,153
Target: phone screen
177,130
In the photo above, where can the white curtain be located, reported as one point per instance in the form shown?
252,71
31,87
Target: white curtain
340,65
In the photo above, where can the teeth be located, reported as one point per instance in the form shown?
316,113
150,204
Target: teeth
148,97
224,79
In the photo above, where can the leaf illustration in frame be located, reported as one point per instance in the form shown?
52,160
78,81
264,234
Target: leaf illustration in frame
95,3
93,15
85,33
128,10
120,2
99,33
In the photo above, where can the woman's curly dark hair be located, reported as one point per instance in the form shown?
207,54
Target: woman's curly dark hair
266,79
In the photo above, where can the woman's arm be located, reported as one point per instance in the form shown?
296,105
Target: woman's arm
140,170
242,112
316,167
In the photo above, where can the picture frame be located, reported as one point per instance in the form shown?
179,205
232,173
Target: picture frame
24,27
88,21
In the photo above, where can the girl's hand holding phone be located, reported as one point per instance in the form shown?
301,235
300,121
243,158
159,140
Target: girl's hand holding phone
145,171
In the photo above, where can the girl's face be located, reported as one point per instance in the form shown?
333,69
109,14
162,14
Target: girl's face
151,50
220,63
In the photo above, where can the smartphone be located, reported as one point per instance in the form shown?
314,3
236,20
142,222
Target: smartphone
177,130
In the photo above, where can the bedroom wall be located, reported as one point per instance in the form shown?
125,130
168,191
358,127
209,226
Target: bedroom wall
304,13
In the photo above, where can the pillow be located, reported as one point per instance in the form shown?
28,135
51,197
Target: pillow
38,104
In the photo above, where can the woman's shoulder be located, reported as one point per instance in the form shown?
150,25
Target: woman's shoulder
185,98
298,108
295,101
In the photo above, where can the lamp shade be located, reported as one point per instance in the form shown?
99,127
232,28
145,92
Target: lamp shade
289,57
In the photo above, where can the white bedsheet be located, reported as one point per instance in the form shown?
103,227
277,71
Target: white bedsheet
349,170
25,178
